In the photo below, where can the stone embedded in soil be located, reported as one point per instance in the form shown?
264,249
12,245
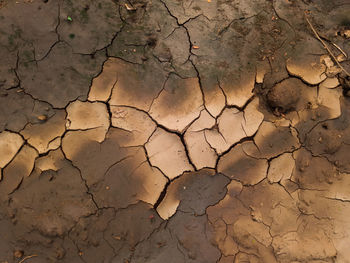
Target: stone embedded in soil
10,143
178,104
87,115
239,166
41,135
166,151
138,124
307,67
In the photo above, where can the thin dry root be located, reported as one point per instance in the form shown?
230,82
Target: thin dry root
27,257
326,47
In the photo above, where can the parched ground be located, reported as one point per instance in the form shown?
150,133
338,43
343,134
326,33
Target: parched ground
171,131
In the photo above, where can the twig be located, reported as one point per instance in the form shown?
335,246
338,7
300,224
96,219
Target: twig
335,45
326,47
27,257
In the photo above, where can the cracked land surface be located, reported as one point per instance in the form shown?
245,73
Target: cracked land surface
175,131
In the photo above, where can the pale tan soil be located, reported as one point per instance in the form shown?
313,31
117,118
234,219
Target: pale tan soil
155,131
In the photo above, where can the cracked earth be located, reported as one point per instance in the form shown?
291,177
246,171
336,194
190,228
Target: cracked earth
207,131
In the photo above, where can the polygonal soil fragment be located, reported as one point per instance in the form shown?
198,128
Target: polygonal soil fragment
92,27
18,108
216,140
146,80
17,31
239,226
240,90
88,235
230,125
74,141
281,168
271,141
103,84
61,77
146,24
208,186
166,151
313,172
185,238
128,181
252,118
223,215
234,125
309,242
205,121
52,161
330,83
215,100
236,164
20,167
10,143
178,104
41,135
130,227
87,115
199,150
201,153
93,158
138,124
60,200
272,205
331,216
329,98
177,55
307,67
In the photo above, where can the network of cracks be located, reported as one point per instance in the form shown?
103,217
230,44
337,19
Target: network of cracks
174,131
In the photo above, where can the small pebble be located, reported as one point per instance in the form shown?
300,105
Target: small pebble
42,117
18,253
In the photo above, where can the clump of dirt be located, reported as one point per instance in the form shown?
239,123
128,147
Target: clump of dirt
284,96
